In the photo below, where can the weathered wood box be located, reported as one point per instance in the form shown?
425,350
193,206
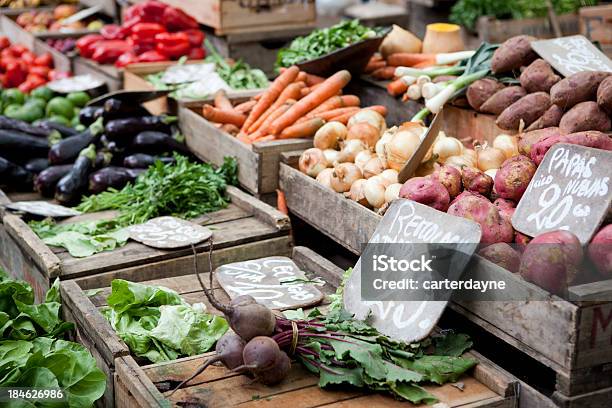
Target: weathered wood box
257,162
140,384
246,228
574,339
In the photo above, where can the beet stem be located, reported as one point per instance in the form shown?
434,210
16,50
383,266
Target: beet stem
228,311
199,371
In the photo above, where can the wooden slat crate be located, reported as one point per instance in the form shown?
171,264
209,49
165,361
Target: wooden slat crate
257,163
493,30
139,384
574,339
245,227
61,61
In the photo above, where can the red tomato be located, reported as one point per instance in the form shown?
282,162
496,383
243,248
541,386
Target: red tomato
4,42
18,49
44,60
39,70
32,81
28,57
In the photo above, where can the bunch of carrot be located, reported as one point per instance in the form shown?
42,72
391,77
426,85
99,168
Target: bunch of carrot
295,105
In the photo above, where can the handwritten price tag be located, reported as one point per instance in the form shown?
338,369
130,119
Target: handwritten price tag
569,55
169,232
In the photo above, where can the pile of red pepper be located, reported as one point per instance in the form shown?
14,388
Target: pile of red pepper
151,31
21,68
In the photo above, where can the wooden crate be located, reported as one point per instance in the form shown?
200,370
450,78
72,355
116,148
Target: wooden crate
246,226
596,25
574,339
257,163
61,61
229,16
493,30
109,7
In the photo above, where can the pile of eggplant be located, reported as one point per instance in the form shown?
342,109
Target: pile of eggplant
119,143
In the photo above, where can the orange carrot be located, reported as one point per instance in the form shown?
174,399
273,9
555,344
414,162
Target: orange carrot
265,138
397,87
373,65
230,128
406,59
222,101
222,116
327,115
424,64
258,96
344,118
305,91
384,73
312,80
292,91
301,77
378,108
281,202
263,129
326,90
245,107
335,102
304,129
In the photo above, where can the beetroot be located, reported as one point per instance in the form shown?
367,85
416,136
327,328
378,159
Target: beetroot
503,255
495,228
427,191
592,138
476,181
551,260
600,251
513,177
450,177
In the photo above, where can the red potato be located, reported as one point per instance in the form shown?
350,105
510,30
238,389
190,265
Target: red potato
513,53
521,241
502,99
481,90
427,191
512,179
550,118
551,260
466,193
476,181
528,139
450,177
475,207
600,251
584,116
502,254
604,95
506,208
528,109
593,138
579,87
538,77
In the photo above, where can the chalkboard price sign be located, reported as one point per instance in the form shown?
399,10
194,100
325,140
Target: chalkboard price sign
571,190
569,55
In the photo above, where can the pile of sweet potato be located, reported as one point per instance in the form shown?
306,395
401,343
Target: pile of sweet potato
578,103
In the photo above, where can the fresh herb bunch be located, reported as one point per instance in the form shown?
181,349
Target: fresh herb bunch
238,75
467,12
324,41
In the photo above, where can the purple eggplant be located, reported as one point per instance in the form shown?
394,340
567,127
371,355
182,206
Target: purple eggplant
89,114
143,161
157,142
72,185
126,128
68,149
24,127
118,109
16,145
13,175
115,177
35,166
50,125
46,181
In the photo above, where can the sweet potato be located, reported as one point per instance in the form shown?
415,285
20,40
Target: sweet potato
513,53
538,77
579,87
604,95
479,91
584,116
476,181
600,251
528,139
494,227
529,108
502,99
592,138
427,191
551,260
513,177
551,117
503,255
450,177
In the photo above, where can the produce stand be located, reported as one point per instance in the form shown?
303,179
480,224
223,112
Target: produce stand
245,228
138,384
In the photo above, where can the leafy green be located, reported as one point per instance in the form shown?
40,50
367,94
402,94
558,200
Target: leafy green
238,75
157,324
324,41
184,189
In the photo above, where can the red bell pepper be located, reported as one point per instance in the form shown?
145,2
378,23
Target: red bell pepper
18,49
44,60
55,75
16,73
108,51
151,11
152,56
138,47
172,45
176,19
113,32
196,53
32,81
28,57
86,44
4,42
146,31
196,37
125,59
42,71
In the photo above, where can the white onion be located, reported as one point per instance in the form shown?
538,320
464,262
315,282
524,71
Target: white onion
365,132
491,173
350,150
507,144
385,138
362,158
325,176
374,192
390,176
312,162
344,175
401,147
459,162
489,158
331,156
446,147
369,116
356,192
328,136
392,192
373,167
